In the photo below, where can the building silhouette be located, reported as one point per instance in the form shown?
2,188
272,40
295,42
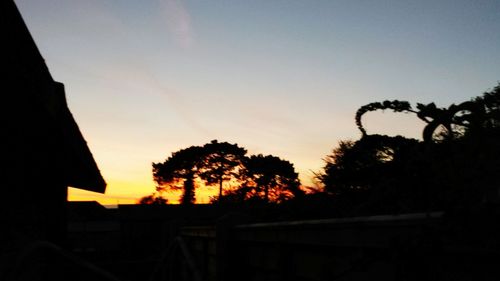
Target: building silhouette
43,149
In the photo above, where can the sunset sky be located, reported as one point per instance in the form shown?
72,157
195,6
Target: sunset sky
147,78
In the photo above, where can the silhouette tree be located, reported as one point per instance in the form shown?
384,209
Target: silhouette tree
221,162
153,199
489,102
456,165
270,178
357,166
179,172
334,176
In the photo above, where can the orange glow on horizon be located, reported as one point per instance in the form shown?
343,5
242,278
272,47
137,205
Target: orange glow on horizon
130,193
131,190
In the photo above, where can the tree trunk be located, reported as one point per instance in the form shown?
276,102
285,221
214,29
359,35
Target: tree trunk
188,197
220,187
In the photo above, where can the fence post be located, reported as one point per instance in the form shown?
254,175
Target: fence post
222,249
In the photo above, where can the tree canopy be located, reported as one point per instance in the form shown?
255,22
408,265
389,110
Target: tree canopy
455,164
179,172
267,178
221,161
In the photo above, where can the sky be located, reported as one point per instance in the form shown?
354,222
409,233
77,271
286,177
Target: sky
147,78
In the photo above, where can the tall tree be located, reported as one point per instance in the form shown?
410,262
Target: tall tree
265,178
271,178
221,162
179,172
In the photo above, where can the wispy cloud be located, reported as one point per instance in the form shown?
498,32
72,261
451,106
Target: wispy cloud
178,21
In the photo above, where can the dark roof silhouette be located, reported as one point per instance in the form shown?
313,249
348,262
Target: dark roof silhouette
33,86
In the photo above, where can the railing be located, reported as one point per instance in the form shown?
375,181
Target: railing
308,250
403,247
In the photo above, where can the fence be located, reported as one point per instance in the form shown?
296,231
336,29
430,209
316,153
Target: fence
404,247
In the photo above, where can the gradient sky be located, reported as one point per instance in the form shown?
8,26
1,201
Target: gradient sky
147,78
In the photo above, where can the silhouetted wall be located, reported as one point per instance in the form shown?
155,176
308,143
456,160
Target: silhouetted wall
42,149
